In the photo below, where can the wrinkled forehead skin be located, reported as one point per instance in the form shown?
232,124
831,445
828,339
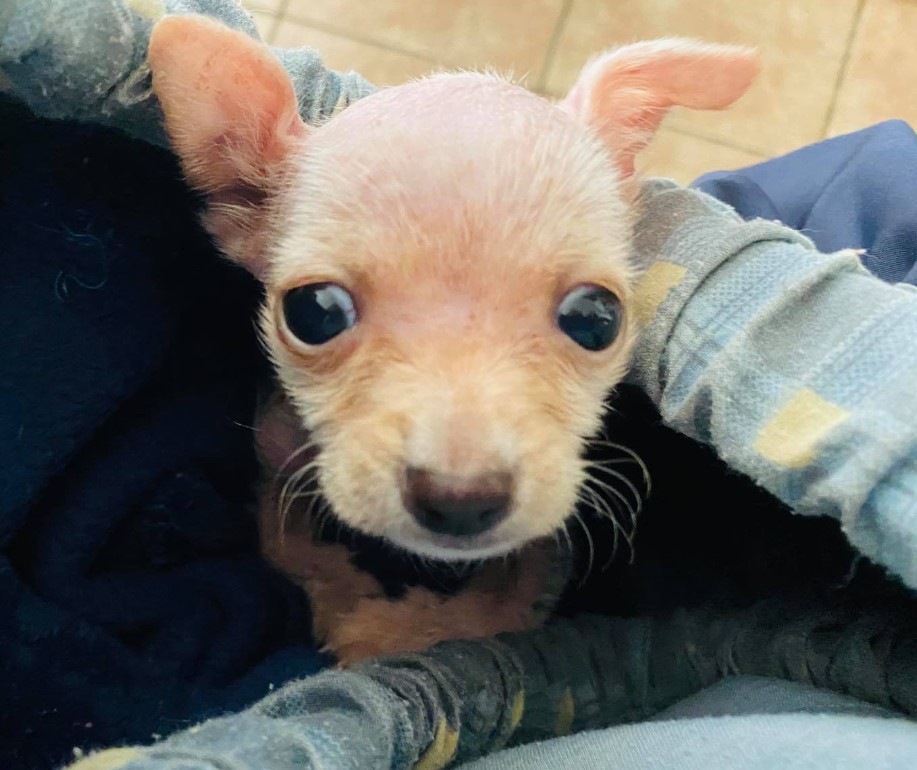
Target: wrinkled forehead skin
450,172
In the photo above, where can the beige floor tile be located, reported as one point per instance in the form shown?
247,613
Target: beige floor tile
266,24
684,158
879,82
267,6
380,66
802,44
506,34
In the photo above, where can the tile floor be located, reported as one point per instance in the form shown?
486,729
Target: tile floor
830,66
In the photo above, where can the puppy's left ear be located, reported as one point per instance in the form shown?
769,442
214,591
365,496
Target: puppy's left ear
625,93
231,113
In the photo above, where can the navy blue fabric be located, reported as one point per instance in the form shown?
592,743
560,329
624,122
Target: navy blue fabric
854,191
132,596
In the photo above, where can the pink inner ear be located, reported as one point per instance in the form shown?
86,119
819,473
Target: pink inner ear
625,94
232,115
229,104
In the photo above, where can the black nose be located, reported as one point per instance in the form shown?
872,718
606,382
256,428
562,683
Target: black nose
453,505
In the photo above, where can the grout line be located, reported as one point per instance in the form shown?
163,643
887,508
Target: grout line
278,17
553,45
332,29
272,30
756,151
844,66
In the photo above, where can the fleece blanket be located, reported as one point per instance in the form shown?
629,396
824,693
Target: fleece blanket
134,603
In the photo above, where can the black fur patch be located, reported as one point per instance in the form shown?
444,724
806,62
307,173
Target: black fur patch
396,569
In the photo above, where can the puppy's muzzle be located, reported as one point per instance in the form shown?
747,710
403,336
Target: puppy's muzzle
456,505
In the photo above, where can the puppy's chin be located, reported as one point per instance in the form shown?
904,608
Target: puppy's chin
431,545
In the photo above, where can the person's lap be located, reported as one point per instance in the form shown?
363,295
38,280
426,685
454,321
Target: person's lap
745,723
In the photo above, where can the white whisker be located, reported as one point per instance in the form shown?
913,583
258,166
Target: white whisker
603,486
307,445
603,506
603,509
566,534
293,488
631,454
638,499
591,544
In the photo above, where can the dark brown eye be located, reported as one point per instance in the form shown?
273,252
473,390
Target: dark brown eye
318,312
590,315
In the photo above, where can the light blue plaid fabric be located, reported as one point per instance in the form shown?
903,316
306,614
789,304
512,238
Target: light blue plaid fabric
799,368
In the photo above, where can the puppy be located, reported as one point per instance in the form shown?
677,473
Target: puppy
448,301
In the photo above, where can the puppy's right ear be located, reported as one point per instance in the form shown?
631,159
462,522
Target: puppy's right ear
231,113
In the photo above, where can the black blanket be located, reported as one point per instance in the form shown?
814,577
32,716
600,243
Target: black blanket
132,595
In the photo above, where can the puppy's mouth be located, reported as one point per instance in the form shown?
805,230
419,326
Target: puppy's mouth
455,548
412,539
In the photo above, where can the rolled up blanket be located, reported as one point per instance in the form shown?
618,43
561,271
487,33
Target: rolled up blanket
797,367
463,700
86,61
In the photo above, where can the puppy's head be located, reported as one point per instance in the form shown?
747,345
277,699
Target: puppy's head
448,294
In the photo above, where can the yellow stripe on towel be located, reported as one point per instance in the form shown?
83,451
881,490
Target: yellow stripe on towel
441,750
517,710
566,710
653,287
790,438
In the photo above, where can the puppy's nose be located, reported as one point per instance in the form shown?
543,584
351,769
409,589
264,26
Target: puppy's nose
454,505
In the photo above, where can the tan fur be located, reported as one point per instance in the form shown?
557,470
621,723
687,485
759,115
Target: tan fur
353,619
457,363
351,615
458,211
